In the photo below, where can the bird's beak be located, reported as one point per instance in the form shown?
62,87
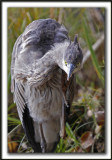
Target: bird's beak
70,69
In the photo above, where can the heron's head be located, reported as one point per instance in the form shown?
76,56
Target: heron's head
72,58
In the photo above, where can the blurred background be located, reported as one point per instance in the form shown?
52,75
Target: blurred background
86,128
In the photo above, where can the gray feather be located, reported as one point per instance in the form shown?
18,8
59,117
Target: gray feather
36,77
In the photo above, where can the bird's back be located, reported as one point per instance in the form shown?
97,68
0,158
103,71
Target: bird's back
44,33
37,39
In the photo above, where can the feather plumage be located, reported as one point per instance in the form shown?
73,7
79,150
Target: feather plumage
36,80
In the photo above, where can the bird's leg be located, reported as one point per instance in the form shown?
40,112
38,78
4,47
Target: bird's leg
62,122
42,139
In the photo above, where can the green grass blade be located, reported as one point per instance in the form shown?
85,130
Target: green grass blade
93,55
14,120
9,82
71,134
11,106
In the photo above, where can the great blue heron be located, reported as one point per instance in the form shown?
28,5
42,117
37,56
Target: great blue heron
44,61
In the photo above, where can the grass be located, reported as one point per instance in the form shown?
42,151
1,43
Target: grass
93,55
90,81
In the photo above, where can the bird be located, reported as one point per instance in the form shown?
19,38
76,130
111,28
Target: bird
43,79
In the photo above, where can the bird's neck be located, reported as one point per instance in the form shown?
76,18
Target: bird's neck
58,53
44,67
55,56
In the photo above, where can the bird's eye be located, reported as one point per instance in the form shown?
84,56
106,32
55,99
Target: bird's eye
66,63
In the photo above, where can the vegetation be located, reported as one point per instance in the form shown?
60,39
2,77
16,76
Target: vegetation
85,128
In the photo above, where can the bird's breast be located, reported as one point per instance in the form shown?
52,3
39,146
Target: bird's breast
45,102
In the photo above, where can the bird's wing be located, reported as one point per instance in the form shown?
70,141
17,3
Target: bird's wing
18,89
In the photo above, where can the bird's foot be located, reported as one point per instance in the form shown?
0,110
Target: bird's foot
62,133
43,147
62,122
42,139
